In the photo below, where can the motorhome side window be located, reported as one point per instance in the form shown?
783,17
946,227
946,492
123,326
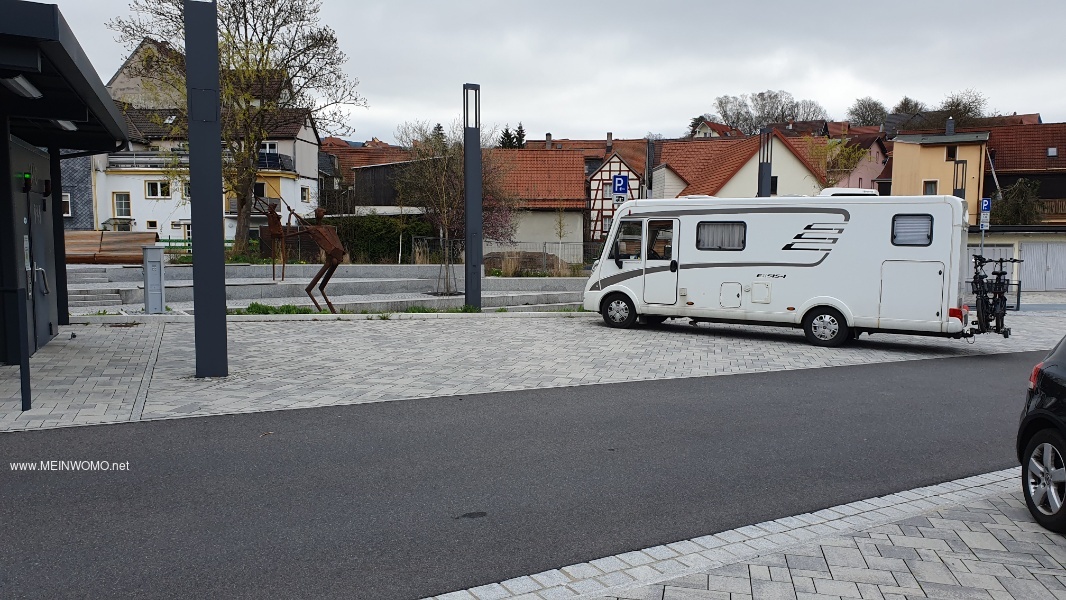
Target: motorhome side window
660,240
721,236
912,230
628,240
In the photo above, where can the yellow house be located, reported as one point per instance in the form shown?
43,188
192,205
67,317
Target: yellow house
941,164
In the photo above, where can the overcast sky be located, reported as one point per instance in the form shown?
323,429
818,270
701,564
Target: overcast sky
578,68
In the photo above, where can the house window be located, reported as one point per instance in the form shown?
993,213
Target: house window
860,182
152,224
912,230
260,189
269,147
721,236
66,206
187,191
773,185
884,188
1052,152
607,222
929,188
305,194
951,152
156,189
121,201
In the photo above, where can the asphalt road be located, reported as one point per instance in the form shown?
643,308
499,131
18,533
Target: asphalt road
369,501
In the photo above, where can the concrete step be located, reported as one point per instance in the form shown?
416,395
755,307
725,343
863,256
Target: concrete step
94,302
87,279
92,292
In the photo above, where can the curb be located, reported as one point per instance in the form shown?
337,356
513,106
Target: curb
385,316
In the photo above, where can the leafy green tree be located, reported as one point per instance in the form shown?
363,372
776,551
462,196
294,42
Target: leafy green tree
1020,204
867,111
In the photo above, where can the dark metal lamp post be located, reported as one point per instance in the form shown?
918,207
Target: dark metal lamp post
472,185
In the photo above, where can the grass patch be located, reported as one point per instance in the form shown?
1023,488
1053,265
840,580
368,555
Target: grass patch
256,308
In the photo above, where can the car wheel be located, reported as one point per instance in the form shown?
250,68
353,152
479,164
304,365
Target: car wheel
1044,479
618,311
826,327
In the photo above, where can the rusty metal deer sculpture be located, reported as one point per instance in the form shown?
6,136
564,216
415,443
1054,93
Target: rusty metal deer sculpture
325,238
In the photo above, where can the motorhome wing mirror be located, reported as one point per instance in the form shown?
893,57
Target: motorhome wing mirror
616,255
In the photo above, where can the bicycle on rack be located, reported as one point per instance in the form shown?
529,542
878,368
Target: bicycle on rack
991,295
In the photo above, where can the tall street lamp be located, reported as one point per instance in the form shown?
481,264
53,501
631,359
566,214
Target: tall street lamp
472,185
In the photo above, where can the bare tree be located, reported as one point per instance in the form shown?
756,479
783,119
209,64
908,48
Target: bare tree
433,181
749,113
965,107
809,110
909,106
279,67
867,111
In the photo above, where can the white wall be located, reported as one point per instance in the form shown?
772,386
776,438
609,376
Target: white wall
142,209
793,177
666,184
540,226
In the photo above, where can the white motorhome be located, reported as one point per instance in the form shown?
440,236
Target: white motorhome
837,265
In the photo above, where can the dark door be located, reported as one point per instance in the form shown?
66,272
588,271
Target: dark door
42,268
959,187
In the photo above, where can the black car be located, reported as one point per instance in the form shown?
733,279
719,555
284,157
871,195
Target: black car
1042,441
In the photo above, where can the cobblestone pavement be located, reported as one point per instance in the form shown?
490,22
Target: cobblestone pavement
967,539
114,374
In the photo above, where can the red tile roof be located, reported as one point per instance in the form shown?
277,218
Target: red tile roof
634,152
707,164
543,178
1024,147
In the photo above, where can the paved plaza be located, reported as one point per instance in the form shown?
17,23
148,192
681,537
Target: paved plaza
970,539
121,372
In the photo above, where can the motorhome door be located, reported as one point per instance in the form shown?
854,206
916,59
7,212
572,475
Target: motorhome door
660,262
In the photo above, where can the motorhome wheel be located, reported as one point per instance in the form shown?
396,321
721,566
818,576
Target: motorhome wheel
618,311
826,327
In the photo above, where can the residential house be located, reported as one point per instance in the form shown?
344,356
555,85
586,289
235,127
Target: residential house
1034,152
871,165
949,163
710,129
143,188
550,188
730,168
934,120
604,160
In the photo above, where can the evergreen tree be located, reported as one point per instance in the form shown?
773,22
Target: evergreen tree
506,137
520,136
1020,204
437,135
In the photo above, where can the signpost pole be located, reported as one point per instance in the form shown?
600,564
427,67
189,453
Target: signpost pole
472,184
986,210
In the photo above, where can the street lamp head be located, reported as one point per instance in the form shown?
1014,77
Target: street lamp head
471,106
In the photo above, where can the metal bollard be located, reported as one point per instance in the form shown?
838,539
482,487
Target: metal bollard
154,290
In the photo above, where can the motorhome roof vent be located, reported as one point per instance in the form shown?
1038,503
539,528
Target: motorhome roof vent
833,191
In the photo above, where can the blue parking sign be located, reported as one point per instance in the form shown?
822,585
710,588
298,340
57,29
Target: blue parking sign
986,204
620,184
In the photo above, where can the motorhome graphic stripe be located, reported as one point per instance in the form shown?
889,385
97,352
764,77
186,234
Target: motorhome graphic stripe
743,211
620,277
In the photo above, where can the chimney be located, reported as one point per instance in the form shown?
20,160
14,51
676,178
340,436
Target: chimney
610,141
547,141
789,126
950,129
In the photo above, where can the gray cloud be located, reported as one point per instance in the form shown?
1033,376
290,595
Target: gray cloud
580,69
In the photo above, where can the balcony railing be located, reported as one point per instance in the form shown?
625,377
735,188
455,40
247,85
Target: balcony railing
268,161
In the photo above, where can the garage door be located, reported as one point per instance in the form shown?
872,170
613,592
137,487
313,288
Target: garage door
1044,268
